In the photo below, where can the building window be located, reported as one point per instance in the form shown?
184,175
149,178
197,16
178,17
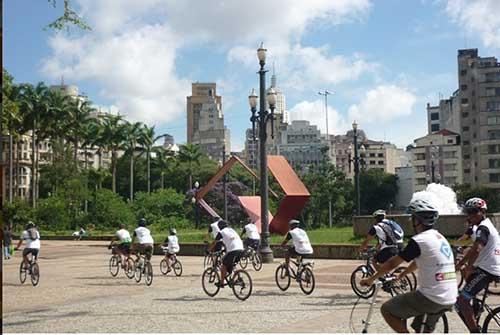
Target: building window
380,155
465,128
463,87
494,177
493,120
463,72
450,154
494,134
492,77
372,162
420,157
372,154
494,149
494,163
465,114
421,181
466,142
450,167
380,162
466,170
493,91
450,180
434,116
450,141
464,101
434,127
420,168
492,106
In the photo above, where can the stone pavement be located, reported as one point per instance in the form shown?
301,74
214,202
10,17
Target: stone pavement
77,294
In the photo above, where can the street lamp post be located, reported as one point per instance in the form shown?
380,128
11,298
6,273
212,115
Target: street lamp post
260,120
326,93
224,179
356,168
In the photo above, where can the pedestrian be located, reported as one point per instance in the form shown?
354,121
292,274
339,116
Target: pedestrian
7,241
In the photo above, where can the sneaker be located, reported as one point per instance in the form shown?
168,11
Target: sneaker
219,284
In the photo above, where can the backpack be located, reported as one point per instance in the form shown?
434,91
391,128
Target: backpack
393,232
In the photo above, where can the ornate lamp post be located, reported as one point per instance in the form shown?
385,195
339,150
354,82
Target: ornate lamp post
224,179
356,161
260,120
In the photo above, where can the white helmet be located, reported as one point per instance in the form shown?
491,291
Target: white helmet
379,212
427,213
475,203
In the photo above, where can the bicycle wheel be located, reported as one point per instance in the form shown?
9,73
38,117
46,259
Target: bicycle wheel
138,272
306,280
242,284
244,261
412,278
22,273
148,273
492,322
35,274
114,265
361,272
257,262
164,267
209,281
177,266
494,288
402,285
441,325
282,277
130,271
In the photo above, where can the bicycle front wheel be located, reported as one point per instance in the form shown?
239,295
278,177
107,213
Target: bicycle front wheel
361,272
492,322
22,273
244,262
257,262
282,277
402,285
35,274
138,272
164,266
130,270
494,288
242,285
114,265
148,272
177,266
209,281
306,280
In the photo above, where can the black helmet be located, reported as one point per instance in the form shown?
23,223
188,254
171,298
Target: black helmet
294,223
173,231
142,222
222,224
30,225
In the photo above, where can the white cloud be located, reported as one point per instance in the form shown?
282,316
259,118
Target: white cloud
314,112
478,17
382,104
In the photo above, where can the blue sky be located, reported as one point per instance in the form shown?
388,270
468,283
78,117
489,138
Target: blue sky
384,60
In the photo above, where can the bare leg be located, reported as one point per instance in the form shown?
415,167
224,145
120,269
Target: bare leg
467,313
395,323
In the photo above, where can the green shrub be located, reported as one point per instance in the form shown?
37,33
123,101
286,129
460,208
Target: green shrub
109,210
52,214
159,207
18,213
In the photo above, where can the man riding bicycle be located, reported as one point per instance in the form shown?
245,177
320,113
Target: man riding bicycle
430,252
172,246
483,260
253,236
145,240
389,235
213,231
301,245
234,248
124,241
32,238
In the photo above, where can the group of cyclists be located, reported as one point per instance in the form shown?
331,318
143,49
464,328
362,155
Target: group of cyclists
429,252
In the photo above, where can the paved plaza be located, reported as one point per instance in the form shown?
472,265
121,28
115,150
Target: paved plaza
77,294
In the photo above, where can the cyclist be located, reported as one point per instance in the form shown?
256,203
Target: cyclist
32,238
172,246
124,241
483,260
253,236
143,236
301,245
430,252
389,235
213,230
234,248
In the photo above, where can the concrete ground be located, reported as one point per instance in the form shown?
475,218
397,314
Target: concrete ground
76,293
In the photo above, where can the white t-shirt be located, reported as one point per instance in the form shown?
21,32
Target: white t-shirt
215,229
231,239
489,256
252,232
124,236
301,241
436,268
31,244
173,244
144,235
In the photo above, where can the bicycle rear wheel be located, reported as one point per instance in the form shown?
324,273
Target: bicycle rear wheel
138,272
257,262
177,266
35,274
209,280
306,280
244,261
494,288
164,267
114,265
242,285
402,285
361,272
148,273
22,273
492,322
282,277
441,325
130,270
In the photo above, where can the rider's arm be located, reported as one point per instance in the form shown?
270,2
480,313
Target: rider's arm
411,268
217,238
288,237
243,231
371,234
482,235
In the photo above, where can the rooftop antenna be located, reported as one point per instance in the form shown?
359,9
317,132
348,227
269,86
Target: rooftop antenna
62,80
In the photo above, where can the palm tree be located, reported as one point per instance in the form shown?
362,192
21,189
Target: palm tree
57,121
147,140
191,154
79,118
161,161
113,137
133,134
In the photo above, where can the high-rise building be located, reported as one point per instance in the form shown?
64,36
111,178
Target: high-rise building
444,116
205,121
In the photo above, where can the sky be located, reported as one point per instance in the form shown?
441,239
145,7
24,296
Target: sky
383,60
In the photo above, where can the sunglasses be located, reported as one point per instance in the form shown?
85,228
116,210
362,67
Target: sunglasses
471,211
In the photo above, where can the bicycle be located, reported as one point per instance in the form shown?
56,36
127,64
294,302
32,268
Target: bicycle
408,283
143,267
213,258
239,281
491,323
440,327
115,263
303,274
251,255
33,270
175,264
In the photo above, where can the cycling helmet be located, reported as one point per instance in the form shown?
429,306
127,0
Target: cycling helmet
30,225
379,212
422,209
222,224
294,223
475,203
173,231
142,222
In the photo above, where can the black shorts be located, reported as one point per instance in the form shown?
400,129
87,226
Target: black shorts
124,248
146,249
219,246
32,251
383,255
254,244
293,253
476,282
231,258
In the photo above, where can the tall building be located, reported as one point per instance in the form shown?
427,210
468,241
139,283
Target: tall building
444,116
205,121
437,158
